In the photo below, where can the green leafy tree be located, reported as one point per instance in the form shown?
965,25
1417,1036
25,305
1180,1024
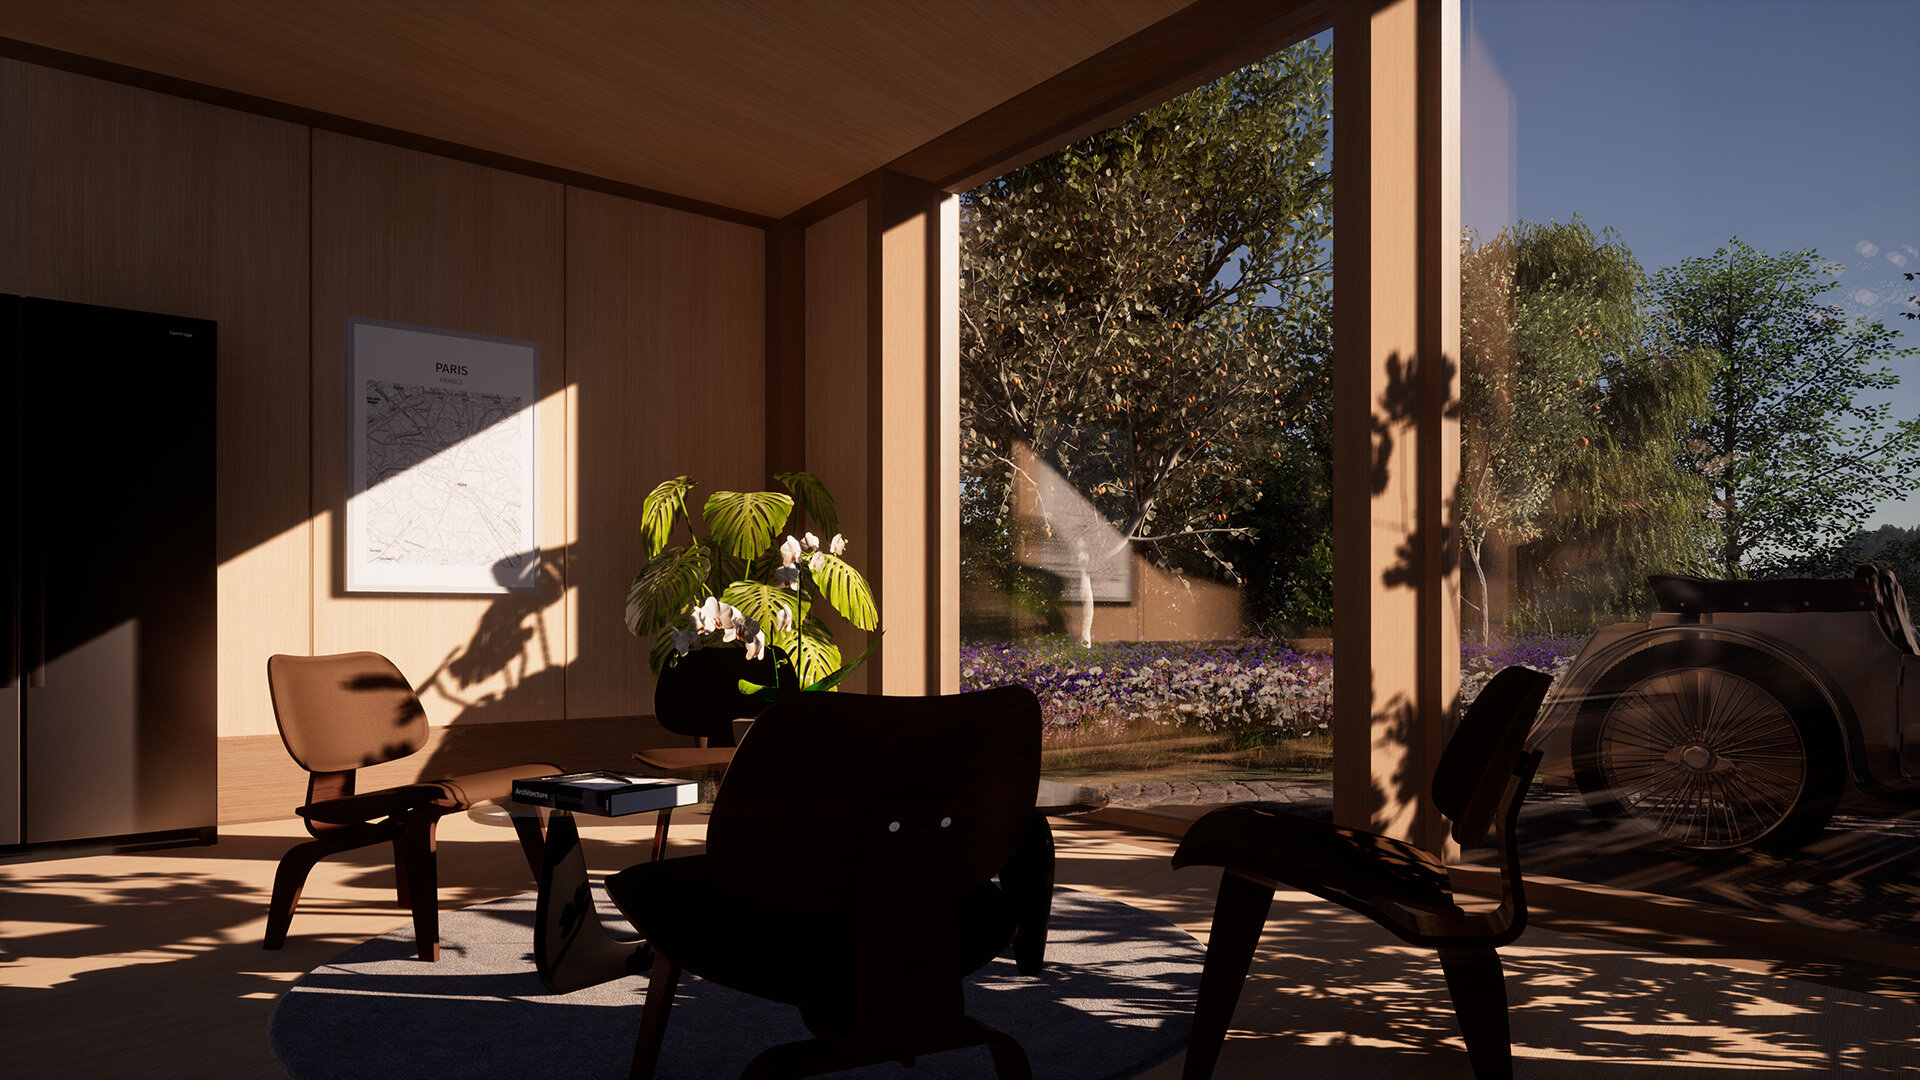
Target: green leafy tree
1148,308
1797,451
1569,419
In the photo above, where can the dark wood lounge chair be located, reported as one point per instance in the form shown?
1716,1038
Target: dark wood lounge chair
699,695
849,872
1481,779
341,713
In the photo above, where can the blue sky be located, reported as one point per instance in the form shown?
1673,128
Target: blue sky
1682,123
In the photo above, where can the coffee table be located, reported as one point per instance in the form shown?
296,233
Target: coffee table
572,949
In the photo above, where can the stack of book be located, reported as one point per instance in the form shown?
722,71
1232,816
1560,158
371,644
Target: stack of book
608,794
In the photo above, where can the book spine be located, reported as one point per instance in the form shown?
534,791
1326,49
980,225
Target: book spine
594,803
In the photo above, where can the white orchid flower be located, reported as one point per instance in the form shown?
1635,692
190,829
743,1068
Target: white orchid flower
783,619
788,576
734,624
756,644
706,617
818,562
812,542
684,640
839,545
789,551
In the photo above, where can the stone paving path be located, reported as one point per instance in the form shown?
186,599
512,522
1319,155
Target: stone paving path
1205,792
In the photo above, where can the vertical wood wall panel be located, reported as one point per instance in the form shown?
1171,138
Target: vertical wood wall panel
132,199
666,344
837,393
408,237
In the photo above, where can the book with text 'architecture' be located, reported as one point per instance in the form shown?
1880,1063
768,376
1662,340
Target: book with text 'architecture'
609,794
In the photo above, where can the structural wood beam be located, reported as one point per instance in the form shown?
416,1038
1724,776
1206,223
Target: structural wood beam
1396,400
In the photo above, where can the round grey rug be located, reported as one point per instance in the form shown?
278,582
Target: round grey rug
1115,999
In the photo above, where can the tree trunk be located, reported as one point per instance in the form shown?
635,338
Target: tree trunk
1480,579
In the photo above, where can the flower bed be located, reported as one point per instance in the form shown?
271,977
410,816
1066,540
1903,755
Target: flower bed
1227,688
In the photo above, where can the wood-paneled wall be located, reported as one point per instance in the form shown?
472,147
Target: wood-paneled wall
837,392
666,336
127,198
651,324
412,238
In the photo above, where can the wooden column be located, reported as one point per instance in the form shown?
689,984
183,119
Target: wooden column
881,344
1396,406
913,432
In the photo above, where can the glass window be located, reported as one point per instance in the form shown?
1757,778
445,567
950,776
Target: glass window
1691,420
1145,345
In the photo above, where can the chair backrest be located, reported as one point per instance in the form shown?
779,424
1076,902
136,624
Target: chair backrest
344,712
826,786
1476,766
699,693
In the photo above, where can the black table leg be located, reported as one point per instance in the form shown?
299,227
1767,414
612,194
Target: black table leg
571,949
1028,880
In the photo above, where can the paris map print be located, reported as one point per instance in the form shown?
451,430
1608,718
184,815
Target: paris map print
441,429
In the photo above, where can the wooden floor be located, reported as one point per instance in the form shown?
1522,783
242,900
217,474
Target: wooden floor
149,964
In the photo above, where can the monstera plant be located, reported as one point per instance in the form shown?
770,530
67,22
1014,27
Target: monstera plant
742,585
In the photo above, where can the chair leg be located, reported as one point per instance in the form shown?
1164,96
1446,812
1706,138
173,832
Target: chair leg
1479,990
418,870
1009,1057
653,1016
661,819
288,879
1238,918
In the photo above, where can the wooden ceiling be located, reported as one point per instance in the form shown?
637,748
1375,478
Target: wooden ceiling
760,106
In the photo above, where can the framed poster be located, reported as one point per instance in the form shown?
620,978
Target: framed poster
442,461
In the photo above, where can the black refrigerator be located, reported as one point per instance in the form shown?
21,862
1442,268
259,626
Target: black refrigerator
107,726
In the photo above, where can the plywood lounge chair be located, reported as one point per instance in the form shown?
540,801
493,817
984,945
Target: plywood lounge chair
699,695
849,872
1482,776
341,713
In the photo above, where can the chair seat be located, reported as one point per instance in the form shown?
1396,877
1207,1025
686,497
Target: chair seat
1317,855
782,956
686,758
461,792
371,805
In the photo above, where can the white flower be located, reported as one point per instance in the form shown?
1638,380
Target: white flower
734,624
706,617
789,551
788,576
812,542
818,562
756,641
839,544
783,619
684,640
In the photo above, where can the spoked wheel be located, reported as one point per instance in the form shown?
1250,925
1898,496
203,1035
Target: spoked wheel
1709,744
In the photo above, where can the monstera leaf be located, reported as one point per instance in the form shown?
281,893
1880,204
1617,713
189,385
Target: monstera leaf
743,523
666,589
763,603
656,513
844,588
814,498
815,656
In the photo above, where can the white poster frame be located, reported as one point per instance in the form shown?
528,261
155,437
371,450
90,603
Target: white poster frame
417,362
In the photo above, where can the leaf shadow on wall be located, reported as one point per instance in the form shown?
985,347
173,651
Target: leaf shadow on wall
1395,419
